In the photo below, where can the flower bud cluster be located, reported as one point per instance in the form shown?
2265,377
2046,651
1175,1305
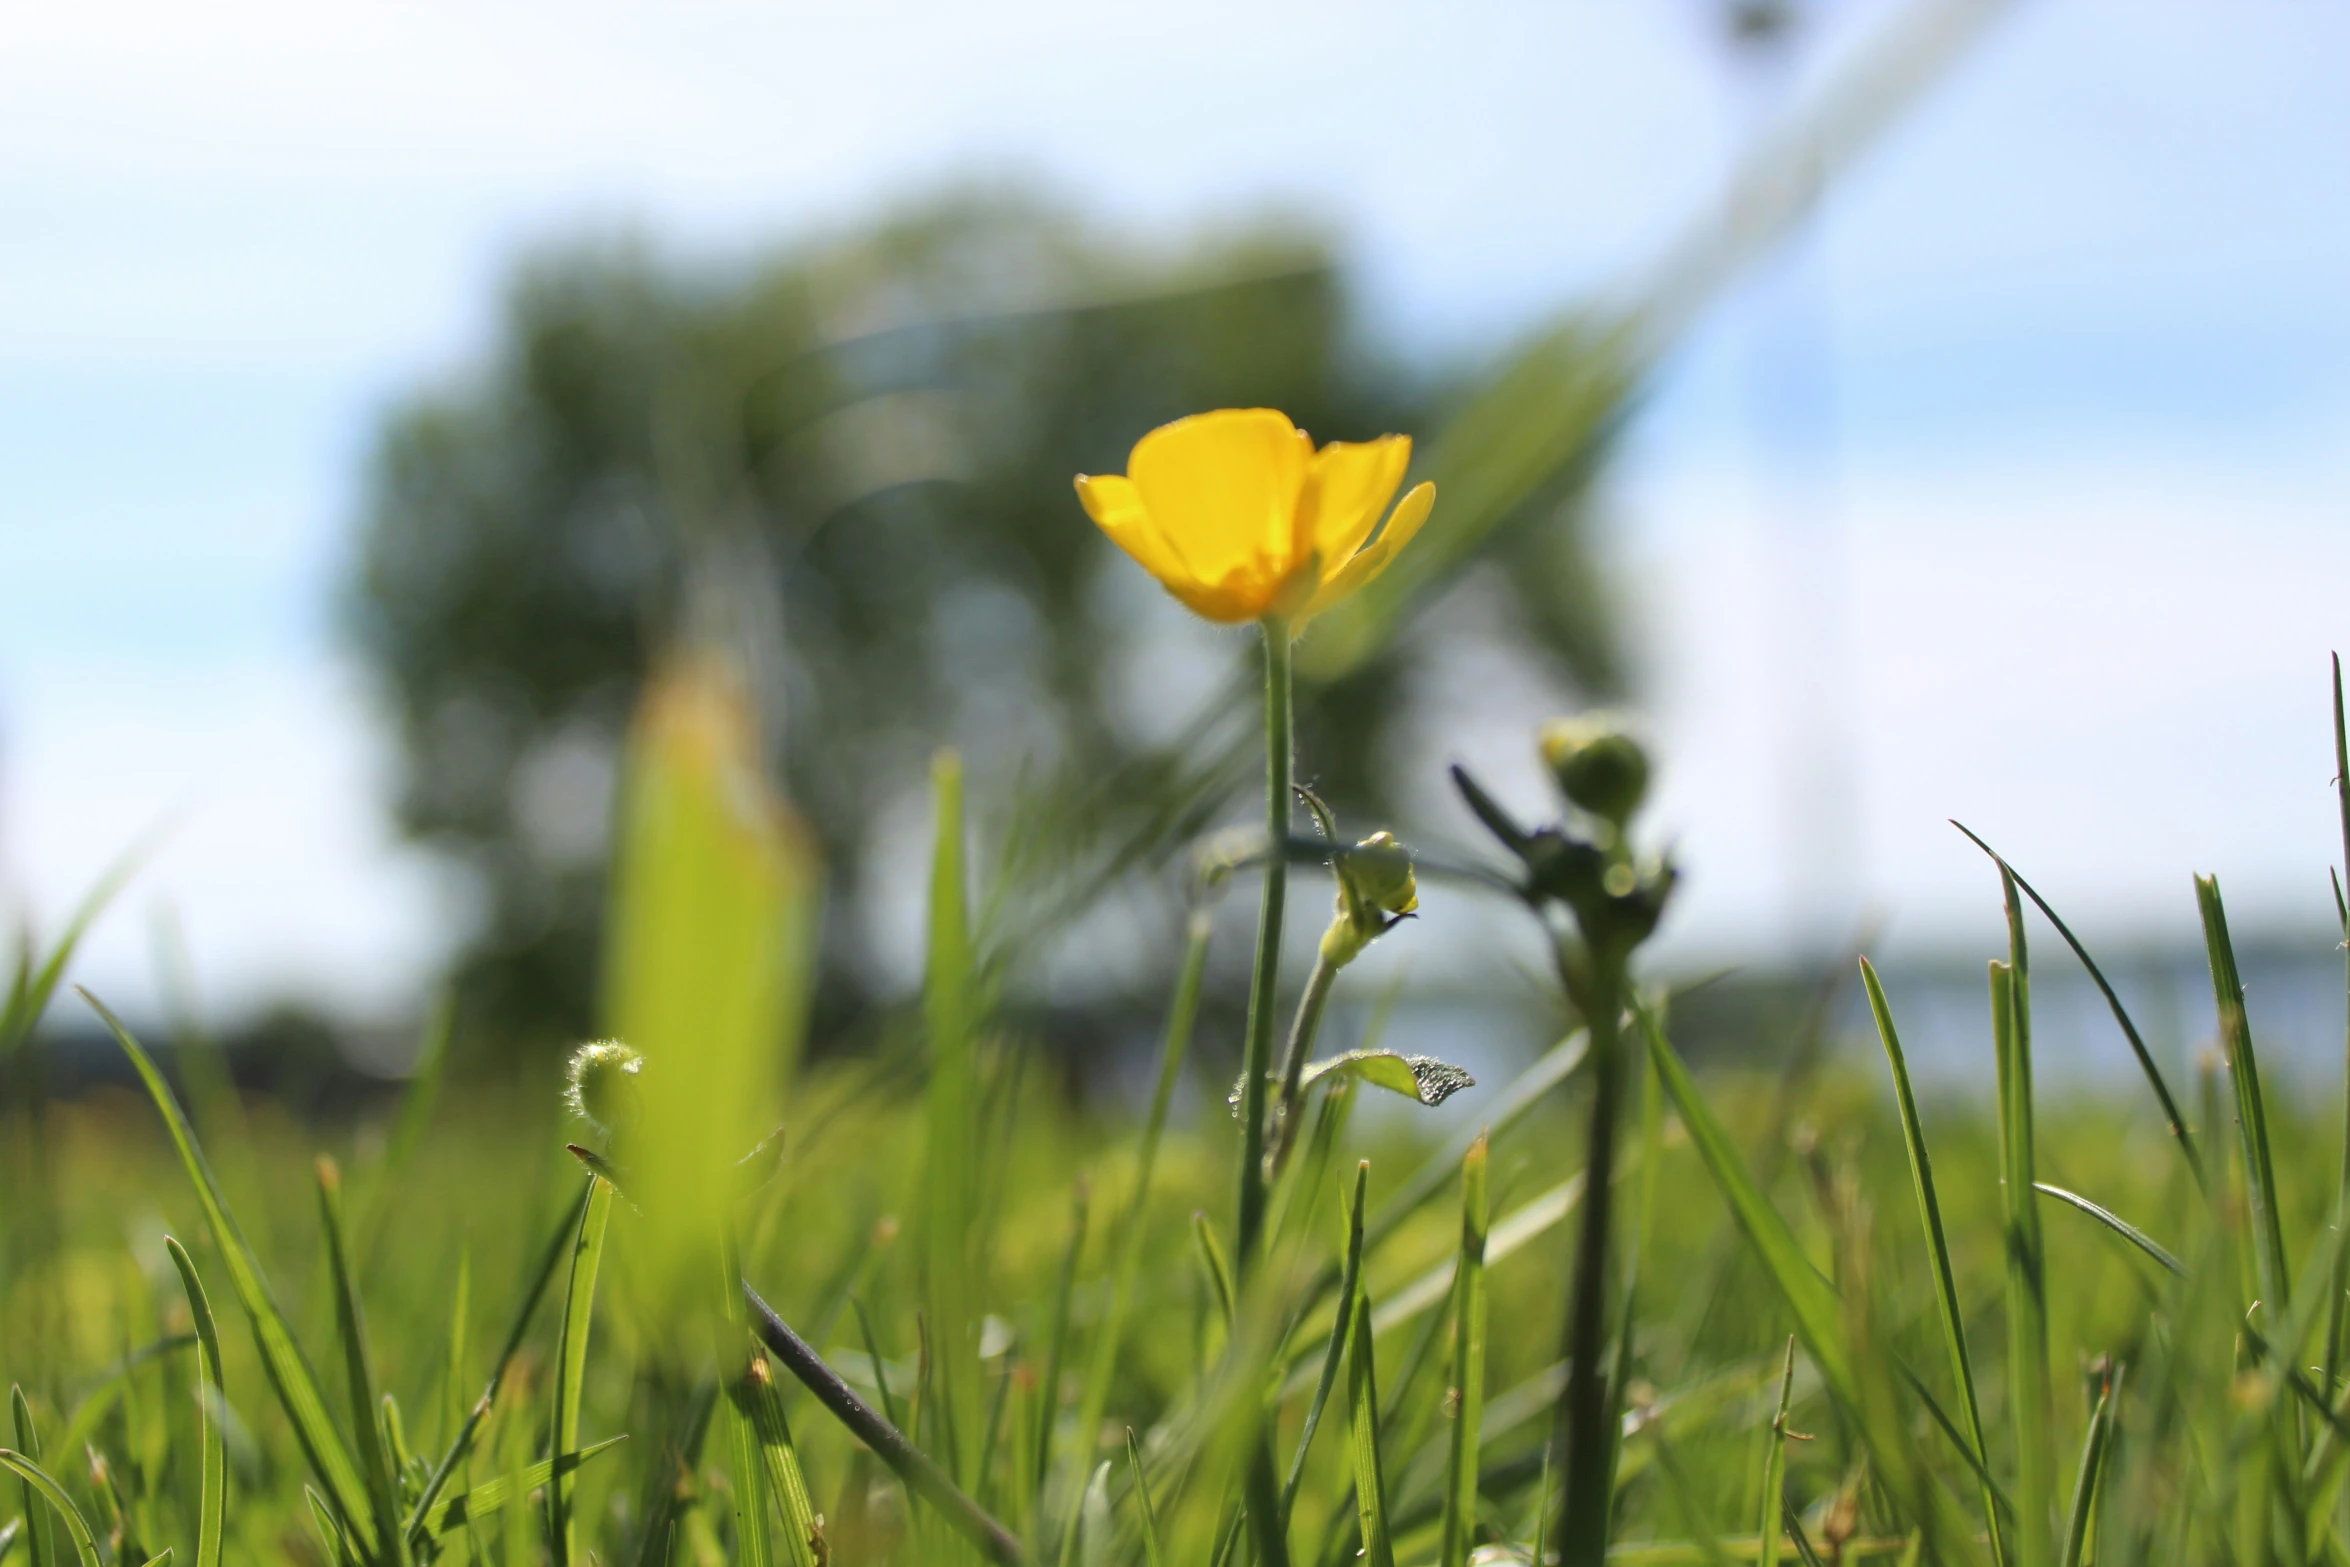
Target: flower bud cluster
1586,864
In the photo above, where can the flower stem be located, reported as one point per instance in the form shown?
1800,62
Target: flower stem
1262,1489
1257,1062
1293,1064
1584,1436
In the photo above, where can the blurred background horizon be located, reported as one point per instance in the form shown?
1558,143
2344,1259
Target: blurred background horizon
2010,488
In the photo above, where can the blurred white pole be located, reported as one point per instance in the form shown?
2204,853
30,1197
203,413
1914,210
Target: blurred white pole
1792,157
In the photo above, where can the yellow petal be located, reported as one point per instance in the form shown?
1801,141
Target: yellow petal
1112,502
1352,484
1222,489
1402,523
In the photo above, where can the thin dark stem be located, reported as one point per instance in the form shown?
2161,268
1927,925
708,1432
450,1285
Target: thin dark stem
922,1475
1302,1032
1583,1439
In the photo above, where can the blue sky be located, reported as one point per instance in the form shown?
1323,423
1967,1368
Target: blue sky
2082,317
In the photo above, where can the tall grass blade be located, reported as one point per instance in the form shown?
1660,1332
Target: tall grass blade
31,989
382,1539
949,1173
1362,1392
1811,1298
1460,1491
559,1244
2116,1223
1153,1553
2031,1411
1213,1267
1921,1170
40,1547
579,1305
2094,1448
2113,1003
803,1534
339,1550
290,1376
38,1480
1341,1325
754,1545
211,1397
2235,1036
1774,1487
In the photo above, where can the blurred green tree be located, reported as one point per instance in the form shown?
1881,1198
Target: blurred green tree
852,459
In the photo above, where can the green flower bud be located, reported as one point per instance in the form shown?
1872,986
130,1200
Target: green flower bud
1378,873
1598,764
602,1085
1376,889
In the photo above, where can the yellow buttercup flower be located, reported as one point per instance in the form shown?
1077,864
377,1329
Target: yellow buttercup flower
1240,517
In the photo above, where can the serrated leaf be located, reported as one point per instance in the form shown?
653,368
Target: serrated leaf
1423,1078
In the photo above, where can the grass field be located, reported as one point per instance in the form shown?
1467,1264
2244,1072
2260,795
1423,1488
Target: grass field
914,1309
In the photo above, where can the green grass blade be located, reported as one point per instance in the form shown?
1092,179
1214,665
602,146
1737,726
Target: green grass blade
290,1376
1148,1517
40,1548
1774,1512
559,1245
161,1558
1362,1396
8,1533
1812,1299
803,1534
2085,1485
949,1176
2113,1003
1213,1267
883,1396
451,1513
1349,1283
37,1479
383,1486
1460,1491
212,1482
754,1544
2031,1413
1182,1014
2116,1223
339,1550
579,1306
2235,1035
1921,1170
29,994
